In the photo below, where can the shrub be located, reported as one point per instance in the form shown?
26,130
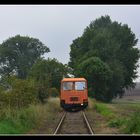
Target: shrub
133,124
20,93
117,122
54,92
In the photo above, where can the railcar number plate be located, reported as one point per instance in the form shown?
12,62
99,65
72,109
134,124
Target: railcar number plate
74,99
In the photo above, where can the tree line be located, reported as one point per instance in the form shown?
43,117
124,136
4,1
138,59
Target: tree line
105,55
26,77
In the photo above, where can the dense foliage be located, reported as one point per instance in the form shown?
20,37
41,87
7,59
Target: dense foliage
100,79
20,93
25,76
19,53
47,75
113,44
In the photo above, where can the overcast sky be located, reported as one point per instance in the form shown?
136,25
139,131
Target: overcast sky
58,25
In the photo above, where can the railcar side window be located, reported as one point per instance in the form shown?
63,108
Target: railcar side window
67,85
80,85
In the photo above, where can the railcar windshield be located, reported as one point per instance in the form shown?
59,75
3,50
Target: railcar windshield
80,85
67,85
74,86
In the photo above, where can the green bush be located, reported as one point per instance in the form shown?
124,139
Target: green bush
54,92
27,118
133,124
20,93
117,122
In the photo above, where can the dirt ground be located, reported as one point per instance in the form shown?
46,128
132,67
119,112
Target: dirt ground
99,123
74,124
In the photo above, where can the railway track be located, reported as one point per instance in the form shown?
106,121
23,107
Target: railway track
74,123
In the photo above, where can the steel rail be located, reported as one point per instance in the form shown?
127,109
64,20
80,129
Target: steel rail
60,123
87,123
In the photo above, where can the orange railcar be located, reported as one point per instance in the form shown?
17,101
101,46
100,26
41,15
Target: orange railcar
74,93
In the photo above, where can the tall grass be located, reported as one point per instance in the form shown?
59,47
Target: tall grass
133,124
130,125
103,109
20,121
91,103
118,123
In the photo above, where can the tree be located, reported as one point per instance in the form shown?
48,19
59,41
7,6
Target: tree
19,53
114,44
98,75
47,75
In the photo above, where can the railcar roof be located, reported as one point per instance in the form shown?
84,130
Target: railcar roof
73,79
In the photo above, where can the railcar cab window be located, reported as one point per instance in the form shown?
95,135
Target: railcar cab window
80,85
67,85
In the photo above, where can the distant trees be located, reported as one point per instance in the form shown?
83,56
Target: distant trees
106,56
25,77
47,75
98,74
19,53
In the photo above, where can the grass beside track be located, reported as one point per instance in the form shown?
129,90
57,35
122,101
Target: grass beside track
107,117
21,121
121,115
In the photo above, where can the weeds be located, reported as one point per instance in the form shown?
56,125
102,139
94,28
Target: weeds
117,122
133,124
91,103
103,110
20,121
